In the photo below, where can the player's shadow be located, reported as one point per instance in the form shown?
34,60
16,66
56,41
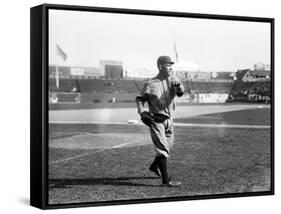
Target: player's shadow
120,181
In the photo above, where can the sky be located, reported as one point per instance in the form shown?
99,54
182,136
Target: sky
137,40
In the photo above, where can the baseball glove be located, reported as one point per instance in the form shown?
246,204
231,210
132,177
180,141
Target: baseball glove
146,118
159,118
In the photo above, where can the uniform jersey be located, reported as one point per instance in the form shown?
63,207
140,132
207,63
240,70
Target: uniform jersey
159,93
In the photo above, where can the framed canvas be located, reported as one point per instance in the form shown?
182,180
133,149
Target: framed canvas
136,106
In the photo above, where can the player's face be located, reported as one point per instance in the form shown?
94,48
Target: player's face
166,69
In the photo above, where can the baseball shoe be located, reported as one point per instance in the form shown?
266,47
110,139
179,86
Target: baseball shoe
155,169
171,184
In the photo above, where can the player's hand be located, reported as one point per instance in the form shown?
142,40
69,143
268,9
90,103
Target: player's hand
178,86
176,82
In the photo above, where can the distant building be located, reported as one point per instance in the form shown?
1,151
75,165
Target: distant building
262,71
143,73
198,76
245,75
267,67
259,66
248,75
75,72
223,75
64,71
86,72
112,69
262,74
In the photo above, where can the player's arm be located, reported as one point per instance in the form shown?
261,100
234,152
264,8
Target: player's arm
142,98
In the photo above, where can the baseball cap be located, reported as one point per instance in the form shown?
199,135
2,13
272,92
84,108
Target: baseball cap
164,59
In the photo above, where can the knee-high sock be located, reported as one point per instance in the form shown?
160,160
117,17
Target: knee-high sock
155,163
162,162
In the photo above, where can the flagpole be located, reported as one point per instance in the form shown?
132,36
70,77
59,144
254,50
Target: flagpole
57,70
57,76
176,52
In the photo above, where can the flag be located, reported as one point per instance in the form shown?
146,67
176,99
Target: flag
176,53
61,53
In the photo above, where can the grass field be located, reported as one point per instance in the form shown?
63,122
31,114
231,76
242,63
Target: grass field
98,162
258,116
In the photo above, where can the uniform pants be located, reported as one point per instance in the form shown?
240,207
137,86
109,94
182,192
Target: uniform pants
162,135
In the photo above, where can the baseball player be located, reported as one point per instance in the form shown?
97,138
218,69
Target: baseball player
159,92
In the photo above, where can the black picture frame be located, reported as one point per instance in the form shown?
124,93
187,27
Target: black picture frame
39,127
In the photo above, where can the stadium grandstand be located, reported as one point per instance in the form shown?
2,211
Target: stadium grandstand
209,87
252,85
99,90
89,85
97,85
254,91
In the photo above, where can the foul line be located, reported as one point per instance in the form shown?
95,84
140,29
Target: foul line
175,124
87,154
75,157
223,126
140,124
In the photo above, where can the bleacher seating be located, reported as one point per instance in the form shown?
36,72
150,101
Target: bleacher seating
209,87
108,86
96,86
131,86
244,87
